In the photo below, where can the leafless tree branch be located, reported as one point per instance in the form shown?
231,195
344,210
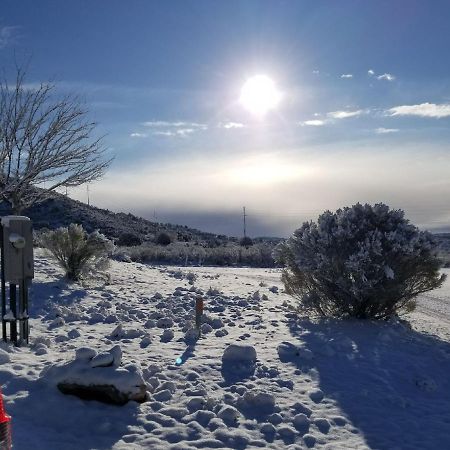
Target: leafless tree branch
44,139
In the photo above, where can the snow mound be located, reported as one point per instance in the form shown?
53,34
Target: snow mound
97,376
238,361
257,404
289,352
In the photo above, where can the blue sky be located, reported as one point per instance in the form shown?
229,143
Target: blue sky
364,112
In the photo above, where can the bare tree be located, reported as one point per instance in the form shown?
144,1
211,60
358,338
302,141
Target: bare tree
45,142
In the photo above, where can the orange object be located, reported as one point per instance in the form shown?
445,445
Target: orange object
199,305
5,427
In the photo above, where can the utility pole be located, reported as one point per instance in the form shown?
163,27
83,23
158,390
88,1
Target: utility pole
245,225
87,191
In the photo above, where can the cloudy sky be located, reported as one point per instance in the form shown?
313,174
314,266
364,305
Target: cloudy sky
355,104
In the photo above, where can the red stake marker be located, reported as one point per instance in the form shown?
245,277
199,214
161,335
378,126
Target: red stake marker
5,427
198,313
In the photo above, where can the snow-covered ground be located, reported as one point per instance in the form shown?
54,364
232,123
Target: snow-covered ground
330,384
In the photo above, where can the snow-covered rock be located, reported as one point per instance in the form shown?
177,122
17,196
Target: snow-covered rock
257,403
167,335
238,361
229,415
290,352
96,376
164,322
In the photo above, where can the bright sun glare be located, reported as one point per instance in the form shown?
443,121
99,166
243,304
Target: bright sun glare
259,95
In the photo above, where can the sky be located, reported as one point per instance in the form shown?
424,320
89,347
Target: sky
362,110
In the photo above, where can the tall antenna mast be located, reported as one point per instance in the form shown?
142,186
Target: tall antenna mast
245,225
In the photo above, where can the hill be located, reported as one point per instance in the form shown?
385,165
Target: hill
124,228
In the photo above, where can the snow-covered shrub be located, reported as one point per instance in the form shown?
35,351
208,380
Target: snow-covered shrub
129,240
77,252
246,242
163,239
364,261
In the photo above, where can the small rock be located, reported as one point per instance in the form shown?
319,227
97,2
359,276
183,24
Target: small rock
229,415
309,440
322,424
316,395
301,422
58,322
167,335
267,428
275,418
145,342
221,333
287,433
116,351
162,396
73,334
117,333
206,328
85,353
164,322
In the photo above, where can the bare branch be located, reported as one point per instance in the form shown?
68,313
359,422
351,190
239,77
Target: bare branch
44,138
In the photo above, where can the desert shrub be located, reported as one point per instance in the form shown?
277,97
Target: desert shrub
181,253
246,242
80,254
163,239
129,240
364,262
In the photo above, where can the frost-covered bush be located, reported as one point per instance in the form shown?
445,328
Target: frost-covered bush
163,239
246,242
364,261
182,253
129,240
80,254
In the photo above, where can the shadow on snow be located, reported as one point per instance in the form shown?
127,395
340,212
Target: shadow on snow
391,382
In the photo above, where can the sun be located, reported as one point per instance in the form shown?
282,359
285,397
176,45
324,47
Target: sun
259,95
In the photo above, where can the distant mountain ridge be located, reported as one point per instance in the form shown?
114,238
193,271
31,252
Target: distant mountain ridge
60,211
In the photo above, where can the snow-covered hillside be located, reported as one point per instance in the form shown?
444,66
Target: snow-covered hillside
317,384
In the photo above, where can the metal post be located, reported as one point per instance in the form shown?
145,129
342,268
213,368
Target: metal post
23,311
26,326
13,302
3,285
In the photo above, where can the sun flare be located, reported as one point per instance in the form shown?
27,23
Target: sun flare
259,95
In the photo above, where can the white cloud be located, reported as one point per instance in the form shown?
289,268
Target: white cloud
181,129
386,76
346,75
370,72
182,132
422,110
164,133
138,135
313,123
344,114
315,72
386,130
163,123
230,125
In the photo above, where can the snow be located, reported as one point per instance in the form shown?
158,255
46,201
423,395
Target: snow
262,377
90,368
